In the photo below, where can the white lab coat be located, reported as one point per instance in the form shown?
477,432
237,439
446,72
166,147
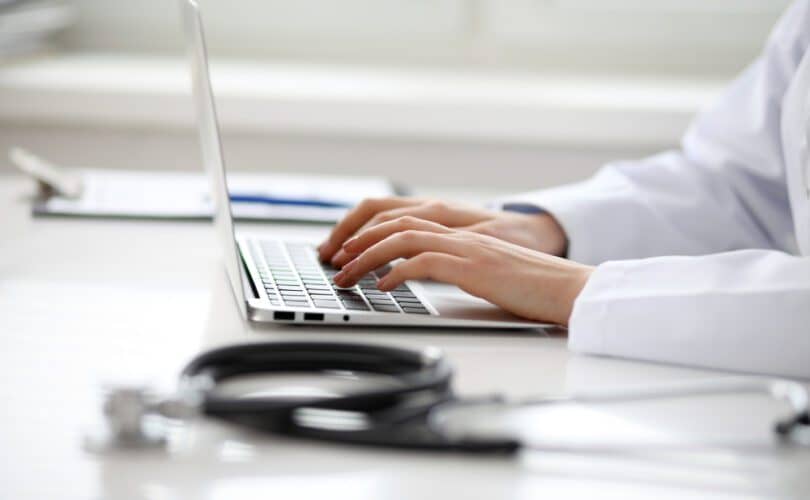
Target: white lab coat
704,253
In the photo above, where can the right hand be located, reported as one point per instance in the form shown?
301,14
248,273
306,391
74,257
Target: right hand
539,232
525,282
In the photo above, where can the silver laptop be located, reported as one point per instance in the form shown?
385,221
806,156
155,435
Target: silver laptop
283,281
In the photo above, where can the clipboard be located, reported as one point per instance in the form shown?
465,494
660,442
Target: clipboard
173,195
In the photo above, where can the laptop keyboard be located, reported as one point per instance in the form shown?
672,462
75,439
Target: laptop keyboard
292,276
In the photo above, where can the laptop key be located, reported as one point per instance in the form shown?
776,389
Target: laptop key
313,281
356,298
385,308
296,303
415,310
381,300
274,270
408,299
355,306
327,304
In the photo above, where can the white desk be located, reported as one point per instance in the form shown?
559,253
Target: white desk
85,301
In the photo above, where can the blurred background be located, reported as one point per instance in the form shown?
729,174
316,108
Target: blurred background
512,94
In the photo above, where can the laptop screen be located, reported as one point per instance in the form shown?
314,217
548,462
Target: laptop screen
211,146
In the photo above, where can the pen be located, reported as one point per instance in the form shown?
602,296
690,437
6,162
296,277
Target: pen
295,202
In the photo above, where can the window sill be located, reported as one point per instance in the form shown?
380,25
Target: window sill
112,90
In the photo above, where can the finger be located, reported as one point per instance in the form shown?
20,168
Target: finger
429,265
435,211
341,258
478,227
405,244
364,239
355,219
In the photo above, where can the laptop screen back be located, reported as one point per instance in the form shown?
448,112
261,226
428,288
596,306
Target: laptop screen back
211,146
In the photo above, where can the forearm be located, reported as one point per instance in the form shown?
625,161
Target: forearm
663,205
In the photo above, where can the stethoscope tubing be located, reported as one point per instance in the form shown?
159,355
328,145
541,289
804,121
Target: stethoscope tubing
408,415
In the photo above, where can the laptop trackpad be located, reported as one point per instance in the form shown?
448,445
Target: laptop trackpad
451,302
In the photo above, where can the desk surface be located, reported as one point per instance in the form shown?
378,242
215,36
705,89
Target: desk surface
84,302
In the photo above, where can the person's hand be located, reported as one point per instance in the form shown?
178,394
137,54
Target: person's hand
537,232
526,282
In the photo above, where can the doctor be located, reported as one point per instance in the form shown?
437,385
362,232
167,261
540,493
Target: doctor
699,256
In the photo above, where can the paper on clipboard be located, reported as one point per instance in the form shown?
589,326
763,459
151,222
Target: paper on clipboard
185,195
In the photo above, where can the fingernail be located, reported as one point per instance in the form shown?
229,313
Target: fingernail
382,285
349,266
339,278
350,243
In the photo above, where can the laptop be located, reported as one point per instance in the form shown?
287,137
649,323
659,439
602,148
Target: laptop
275,280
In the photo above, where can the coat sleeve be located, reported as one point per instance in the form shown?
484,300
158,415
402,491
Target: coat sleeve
746,311
724,190
737,297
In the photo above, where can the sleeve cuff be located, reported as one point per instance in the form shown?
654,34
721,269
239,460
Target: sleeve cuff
577,214
586,327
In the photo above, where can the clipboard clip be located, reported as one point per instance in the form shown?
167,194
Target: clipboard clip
51,178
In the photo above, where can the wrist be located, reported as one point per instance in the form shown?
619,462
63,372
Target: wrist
550,233
575,284
547,231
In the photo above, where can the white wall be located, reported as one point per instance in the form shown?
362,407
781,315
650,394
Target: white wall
648,36
695,40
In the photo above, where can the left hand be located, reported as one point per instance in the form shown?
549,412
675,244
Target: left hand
536,231
525,282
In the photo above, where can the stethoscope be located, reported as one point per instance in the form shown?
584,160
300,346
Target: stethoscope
418,411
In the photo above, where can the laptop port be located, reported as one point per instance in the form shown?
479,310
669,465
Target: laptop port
313,316
284,315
